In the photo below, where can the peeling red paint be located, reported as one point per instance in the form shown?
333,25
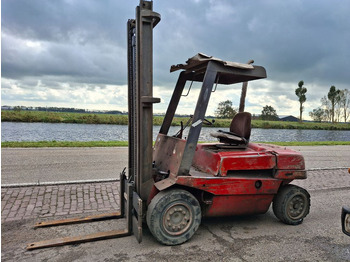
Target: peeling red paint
234,181
233,205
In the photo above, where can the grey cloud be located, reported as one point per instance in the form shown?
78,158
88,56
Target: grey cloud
84,42
59,21
73,63
293,40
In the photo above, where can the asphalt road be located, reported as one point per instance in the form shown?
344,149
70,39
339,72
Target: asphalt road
243,238
249,238
38,165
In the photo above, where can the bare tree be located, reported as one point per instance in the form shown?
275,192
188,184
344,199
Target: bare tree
344,103
338,108
327,108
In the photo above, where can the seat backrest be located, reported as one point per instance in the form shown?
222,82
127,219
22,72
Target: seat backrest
241,124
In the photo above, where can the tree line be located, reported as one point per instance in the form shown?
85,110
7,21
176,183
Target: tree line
226,110
335,107
63,110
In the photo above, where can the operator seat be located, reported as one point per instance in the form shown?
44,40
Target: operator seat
239,134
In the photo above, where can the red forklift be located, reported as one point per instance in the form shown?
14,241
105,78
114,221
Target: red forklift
176,182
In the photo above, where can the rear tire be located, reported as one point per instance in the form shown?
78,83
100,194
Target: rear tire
173,216
291,204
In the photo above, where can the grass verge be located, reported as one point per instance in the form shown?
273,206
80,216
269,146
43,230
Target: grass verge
125,143
312,143
65,144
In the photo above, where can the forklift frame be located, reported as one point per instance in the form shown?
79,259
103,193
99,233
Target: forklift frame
263,172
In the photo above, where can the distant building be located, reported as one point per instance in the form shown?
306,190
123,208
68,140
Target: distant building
6,107
289,119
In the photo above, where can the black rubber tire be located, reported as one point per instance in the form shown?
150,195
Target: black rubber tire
291,204
173,216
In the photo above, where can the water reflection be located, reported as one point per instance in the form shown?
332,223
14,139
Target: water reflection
82,132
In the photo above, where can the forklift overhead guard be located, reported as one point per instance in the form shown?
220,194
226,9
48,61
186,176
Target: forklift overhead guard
201,58
226,72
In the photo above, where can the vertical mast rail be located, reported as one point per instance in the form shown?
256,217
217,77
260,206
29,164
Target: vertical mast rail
131,30
146,19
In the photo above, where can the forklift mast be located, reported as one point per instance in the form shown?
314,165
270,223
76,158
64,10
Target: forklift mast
135,188
140,96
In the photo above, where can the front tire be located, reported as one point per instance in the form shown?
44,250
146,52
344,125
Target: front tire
291,204
173,216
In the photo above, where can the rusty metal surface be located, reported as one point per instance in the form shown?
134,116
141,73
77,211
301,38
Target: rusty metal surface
132,120
167,153
227,74
166,183
218,162
200,59
78,239
87,219
146,19
235,205
137,216
288,159
244,92
241,181
290,174
231,185
140,95
198,116
233,195
175,98
208,158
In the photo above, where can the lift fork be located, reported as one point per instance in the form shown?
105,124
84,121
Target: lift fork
130,208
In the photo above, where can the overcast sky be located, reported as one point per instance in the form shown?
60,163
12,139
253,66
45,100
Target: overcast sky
72,53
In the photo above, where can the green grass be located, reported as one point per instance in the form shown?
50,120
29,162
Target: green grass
59,117
65,144
312,143
86,118
297,125
125,143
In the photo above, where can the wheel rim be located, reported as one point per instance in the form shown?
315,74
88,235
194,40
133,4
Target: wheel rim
177,219
296,207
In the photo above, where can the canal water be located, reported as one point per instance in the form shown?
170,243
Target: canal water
11,131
